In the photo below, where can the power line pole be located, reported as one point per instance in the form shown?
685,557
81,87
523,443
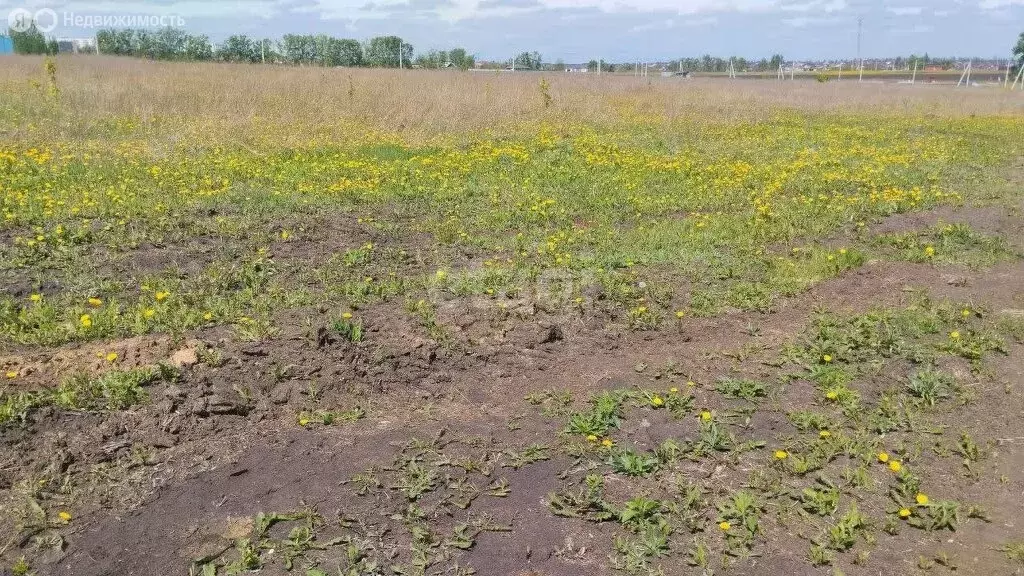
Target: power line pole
263,54
860,60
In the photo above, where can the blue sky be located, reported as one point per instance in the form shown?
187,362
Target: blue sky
616,30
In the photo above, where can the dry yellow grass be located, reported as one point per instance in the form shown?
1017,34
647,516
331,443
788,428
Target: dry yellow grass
314,101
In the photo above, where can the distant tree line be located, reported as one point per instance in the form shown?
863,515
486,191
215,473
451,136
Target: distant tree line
709,63
456,58
298,49
31,41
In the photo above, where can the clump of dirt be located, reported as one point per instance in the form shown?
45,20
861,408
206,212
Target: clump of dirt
330,433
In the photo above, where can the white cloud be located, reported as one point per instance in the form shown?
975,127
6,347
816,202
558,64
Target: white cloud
447,10
678,6
826,6
805,21
997,4
656,25
187,9
916,29
707,21
905,10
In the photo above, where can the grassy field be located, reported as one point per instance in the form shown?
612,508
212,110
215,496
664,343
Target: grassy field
328,321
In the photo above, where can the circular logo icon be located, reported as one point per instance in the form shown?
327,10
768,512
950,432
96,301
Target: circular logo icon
19,20
46,20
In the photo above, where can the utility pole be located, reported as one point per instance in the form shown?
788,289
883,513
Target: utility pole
263,53
1020,76
600,61
966,75
913,79
399,53
1006,79
860,60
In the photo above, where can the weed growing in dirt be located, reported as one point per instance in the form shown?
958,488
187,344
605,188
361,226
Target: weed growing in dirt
112,390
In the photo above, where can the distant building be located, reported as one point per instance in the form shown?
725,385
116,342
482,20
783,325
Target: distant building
76,45
6,45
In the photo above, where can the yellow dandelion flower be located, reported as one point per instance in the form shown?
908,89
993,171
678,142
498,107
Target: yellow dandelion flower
673,390
148,313
827,358
824,434
95,302
781,454
680,314
12,375
85,320
904,512
607,443
895,466
832,395
35,297
591,438
705,415
691,383
657,401
303,421
954,335
965,312
922,499
64,516
883,457
929,251
725,526
208,316
161,296
111,356
346,315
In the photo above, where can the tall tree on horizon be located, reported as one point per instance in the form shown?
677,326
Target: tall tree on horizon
1018,53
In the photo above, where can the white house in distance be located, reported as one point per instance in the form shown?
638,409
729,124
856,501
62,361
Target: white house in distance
76,45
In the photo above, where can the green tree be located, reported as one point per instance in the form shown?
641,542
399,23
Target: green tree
383,52
31,41
1018,54
776,61
116,42
198,48
300,48
350,52
461,59
169,44
528,61
239,48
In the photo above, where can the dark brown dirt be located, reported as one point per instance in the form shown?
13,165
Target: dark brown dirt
165,483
